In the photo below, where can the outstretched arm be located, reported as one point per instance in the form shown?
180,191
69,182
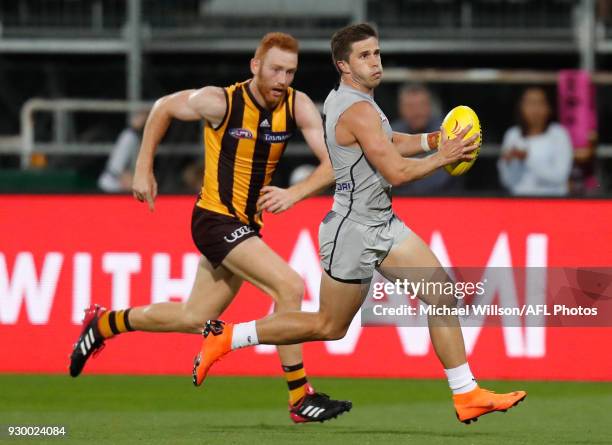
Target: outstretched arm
189,105
308,119
361,122
412,144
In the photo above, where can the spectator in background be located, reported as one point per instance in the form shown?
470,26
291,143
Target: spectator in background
117,175
418,113
192,176
537,154
300,172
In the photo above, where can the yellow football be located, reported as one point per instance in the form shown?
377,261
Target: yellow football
457,119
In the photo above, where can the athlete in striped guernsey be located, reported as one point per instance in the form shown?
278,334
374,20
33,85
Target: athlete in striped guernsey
247,128
243,152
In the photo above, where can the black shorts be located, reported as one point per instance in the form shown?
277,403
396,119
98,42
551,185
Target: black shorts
215,235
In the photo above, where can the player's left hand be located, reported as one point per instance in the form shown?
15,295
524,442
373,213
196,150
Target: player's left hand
275,199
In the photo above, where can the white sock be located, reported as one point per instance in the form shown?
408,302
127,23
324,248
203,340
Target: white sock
245,334
460,379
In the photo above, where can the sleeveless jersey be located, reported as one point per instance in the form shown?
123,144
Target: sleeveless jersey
361,194
243,151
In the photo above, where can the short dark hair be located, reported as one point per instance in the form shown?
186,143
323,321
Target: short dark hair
342,40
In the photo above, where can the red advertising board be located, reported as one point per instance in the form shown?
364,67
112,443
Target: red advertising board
59,253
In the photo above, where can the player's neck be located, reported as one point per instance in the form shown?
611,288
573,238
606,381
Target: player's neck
352,83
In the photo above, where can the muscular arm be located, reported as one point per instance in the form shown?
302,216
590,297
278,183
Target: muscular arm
410,144
189,105
308,120
360,124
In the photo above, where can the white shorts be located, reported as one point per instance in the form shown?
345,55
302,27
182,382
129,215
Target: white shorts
350,251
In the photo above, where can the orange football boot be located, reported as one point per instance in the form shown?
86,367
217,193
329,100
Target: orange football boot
471,405
217,342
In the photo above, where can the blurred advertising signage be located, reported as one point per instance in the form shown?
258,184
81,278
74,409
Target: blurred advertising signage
60,253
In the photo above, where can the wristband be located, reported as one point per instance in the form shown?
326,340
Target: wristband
429,141
434,139
424,142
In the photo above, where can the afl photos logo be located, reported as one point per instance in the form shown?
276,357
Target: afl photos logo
238,233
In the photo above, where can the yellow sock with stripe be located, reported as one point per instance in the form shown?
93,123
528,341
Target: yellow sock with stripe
112,323
296,381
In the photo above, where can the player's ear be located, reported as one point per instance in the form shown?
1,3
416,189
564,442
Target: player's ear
255,65
343,67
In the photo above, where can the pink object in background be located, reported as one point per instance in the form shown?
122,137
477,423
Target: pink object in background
578,113
577,107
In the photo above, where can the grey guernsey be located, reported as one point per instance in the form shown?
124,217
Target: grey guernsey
362,194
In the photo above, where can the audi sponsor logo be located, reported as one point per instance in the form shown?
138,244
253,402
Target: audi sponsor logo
238,233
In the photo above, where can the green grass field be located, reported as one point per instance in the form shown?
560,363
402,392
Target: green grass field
233,410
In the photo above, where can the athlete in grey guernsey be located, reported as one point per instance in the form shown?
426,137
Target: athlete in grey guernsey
361,234
362,193
362,218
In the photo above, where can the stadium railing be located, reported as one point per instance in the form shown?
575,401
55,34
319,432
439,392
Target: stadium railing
59,109
26,145
197,25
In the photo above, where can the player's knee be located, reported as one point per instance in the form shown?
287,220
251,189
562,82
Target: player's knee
194,322
289,291
448,301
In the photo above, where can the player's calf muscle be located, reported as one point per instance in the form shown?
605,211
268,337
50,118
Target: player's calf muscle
332,331
169,317
297,327
324,329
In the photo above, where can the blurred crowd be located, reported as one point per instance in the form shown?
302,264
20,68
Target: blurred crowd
536,156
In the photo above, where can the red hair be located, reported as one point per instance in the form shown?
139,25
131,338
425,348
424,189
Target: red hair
279,40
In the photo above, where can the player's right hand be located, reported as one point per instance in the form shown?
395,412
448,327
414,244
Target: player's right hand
144,187
457,148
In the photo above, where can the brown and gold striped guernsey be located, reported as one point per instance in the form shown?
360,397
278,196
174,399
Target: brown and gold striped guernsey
243,151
